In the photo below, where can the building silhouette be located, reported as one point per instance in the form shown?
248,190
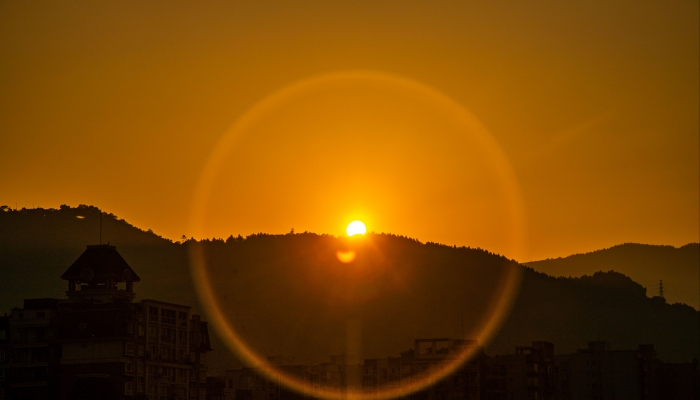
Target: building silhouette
531,373
98,343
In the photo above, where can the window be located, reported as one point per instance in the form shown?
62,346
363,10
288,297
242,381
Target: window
129,388
141,370
181,374
152,390
129,369
3,334
165,353
153,331
31,335
139,388
181,393
153,314
167,335
141,350
83,325
167,316
129,349
152,375
141,330
202,358
182,316
164,392
129,328
41,314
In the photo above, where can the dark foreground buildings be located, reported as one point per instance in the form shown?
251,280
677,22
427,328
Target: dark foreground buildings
100,344
531,373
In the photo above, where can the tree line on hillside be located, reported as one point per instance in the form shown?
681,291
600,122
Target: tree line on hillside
291,293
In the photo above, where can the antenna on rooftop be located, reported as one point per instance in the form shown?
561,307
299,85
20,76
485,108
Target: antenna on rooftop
661,288
100,226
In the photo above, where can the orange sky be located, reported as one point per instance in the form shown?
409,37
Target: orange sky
593,105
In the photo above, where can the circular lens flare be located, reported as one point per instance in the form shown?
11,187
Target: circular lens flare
356,228
498,307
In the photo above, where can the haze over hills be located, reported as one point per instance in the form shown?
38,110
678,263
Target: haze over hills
289,294
647,264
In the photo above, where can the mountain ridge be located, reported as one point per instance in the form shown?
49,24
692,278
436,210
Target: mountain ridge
678,267
419,287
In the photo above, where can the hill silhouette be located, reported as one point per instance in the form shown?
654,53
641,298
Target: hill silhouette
647,264
289,294
38,245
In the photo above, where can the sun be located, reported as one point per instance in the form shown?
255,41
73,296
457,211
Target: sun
356,228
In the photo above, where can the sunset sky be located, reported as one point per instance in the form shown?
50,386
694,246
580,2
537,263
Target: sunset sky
533,130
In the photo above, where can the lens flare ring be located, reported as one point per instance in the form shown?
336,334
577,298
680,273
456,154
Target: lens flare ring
236,343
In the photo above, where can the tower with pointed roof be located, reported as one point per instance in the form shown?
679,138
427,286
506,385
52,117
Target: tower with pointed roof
100,343
98,274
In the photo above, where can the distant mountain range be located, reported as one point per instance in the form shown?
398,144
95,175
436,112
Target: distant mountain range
679,268
290,294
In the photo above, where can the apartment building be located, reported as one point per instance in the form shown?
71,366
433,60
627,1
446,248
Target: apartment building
99,343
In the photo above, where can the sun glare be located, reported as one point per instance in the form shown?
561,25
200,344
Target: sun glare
356,228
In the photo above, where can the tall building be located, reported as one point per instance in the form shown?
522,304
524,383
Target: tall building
33,353
100,344
600,373
429,355
4,352
529,374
